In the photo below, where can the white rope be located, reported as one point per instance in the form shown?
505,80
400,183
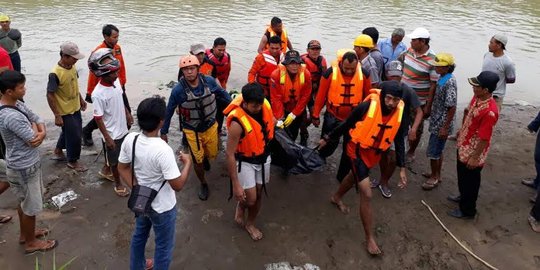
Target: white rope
459,242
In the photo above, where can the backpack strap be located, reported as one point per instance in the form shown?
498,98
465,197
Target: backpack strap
14,108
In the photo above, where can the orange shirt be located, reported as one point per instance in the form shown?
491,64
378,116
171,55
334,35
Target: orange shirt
277,93
117,53
206,68
322,95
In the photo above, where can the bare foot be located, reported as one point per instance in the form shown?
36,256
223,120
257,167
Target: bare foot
340,205
255,233
239,215
372,247
38,234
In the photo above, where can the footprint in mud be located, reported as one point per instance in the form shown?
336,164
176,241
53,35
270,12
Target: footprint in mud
497,232
214,213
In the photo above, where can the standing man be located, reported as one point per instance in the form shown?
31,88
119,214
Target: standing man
362,45
473,142
251,127
316,64
374,52
154,166
23,132
392,47
11,41
497,61
110,40
265,63
412,116
276,29
343,87
290,92
372,126
221,60
110,114
196,94
420,75
66,103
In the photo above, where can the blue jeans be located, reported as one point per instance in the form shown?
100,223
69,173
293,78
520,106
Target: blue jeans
435,147
164,230
70,138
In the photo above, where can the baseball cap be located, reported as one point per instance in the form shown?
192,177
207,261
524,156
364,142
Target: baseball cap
314,44
419,32
486,79
197,48
291,56
394,68
501,38
71,49
4,18
443,60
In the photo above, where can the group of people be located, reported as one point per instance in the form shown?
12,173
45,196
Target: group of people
375,95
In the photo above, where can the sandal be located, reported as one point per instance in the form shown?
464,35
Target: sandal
77,168
38,234
430,185
58,157
385,191
49,245
109,177
373,182
122,192
5,219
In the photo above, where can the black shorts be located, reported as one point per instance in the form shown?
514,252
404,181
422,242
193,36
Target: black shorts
111,156
359,169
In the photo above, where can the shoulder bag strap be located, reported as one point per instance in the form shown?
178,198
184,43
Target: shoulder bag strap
133,160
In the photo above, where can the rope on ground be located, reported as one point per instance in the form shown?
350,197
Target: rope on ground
459,242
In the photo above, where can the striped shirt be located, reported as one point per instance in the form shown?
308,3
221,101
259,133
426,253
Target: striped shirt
418,73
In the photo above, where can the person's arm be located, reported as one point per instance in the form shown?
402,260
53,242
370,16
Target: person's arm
52,86
19,42
91,85
356,115
99,106
366,85
450,104
535,124
129,117
235,132
82,102
255,68
174,100
276,95
289,44
122,72
320,99
18,124
443,132
262,44
178,183
222,96
510,73
373,71
304,95
429,101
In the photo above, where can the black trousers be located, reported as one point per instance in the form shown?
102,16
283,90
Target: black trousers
294,127
535,211
469,185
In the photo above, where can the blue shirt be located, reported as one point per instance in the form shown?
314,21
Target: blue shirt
179,96
389,54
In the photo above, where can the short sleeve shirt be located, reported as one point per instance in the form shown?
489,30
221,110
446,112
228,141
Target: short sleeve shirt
502,66
445,97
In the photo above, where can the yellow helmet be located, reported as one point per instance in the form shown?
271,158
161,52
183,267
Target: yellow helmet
443,60
363,41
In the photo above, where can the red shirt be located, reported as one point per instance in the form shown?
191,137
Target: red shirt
5,61
477,126
117,53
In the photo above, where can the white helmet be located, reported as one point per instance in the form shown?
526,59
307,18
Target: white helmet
96,62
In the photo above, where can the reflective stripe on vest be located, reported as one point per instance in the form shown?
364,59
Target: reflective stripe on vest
339,91
291,88
263,76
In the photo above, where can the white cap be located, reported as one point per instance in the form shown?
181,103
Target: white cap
419,32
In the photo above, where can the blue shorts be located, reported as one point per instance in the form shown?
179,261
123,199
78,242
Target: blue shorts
435,147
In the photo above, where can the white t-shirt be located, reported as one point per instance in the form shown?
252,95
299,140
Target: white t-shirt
108,104
154,163
503,66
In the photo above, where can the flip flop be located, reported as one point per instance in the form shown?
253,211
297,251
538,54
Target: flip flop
109,177
38,234
122,192
5,219
51,245
58,158
78,168
429,186
426,175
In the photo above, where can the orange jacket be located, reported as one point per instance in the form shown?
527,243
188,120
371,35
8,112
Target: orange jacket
206,68
284,38
289,94
117,53
330,86
372,132
256,137
263,66
316,68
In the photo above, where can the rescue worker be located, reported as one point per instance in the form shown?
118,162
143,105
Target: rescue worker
372,126
206,68
110,40
196,94
250,123
290,90
316,64
221,60
343,87
265,63
275,29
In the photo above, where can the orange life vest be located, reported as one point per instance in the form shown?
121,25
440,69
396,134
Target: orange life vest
206,68
316,68
256,137
291,88
263,77
339,90
283,36
366,132
222,66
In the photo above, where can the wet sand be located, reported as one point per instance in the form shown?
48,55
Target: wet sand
299,224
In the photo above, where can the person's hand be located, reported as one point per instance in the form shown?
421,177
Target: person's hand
279,124
239,193
402,178
288,121
164,137
473,162
88,98
322,143
412,135
427,111
529,130
38,139
58,121
443,133
109,142
315,121
177,110
184,158
129,119
83,105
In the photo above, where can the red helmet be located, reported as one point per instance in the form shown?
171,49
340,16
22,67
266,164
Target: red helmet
98,64
188,60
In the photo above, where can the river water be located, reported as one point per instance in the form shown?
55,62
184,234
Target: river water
153,34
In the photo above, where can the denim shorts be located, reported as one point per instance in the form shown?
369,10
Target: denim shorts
435,147
27,185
